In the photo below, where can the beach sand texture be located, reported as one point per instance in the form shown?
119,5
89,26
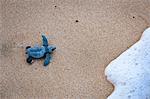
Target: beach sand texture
105,28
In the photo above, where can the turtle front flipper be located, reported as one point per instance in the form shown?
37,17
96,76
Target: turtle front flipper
47,59
45,41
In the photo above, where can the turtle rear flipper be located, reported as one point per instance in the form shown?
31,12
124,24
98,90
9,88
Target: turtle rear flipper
29,60
45,41
47,59
28,47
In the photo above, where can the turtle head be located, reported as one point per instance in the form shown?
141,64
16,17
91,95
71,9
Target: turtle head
51,48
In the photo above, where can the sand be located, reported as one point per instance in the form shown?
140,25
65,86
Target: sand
84,48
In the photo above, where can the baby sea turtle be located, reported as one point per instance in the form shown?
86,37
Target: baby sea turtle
38,52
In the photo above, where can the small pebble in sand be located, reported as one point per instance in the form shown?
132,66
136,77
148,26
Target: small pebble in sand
77,20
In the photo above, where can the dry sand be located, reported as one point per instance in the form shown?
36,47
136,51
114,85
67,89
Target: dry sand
105,29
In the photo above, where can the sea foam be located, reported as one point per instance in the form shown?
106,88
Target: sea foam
130,72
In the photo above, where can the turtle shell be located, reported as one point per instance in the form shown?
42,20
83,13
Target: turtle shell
36,52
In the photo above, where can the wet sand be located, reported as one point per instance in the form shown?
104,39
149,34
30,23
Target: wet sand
88,35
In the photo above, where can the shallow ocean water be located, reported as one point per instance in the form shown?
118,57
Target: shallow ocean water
129,72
